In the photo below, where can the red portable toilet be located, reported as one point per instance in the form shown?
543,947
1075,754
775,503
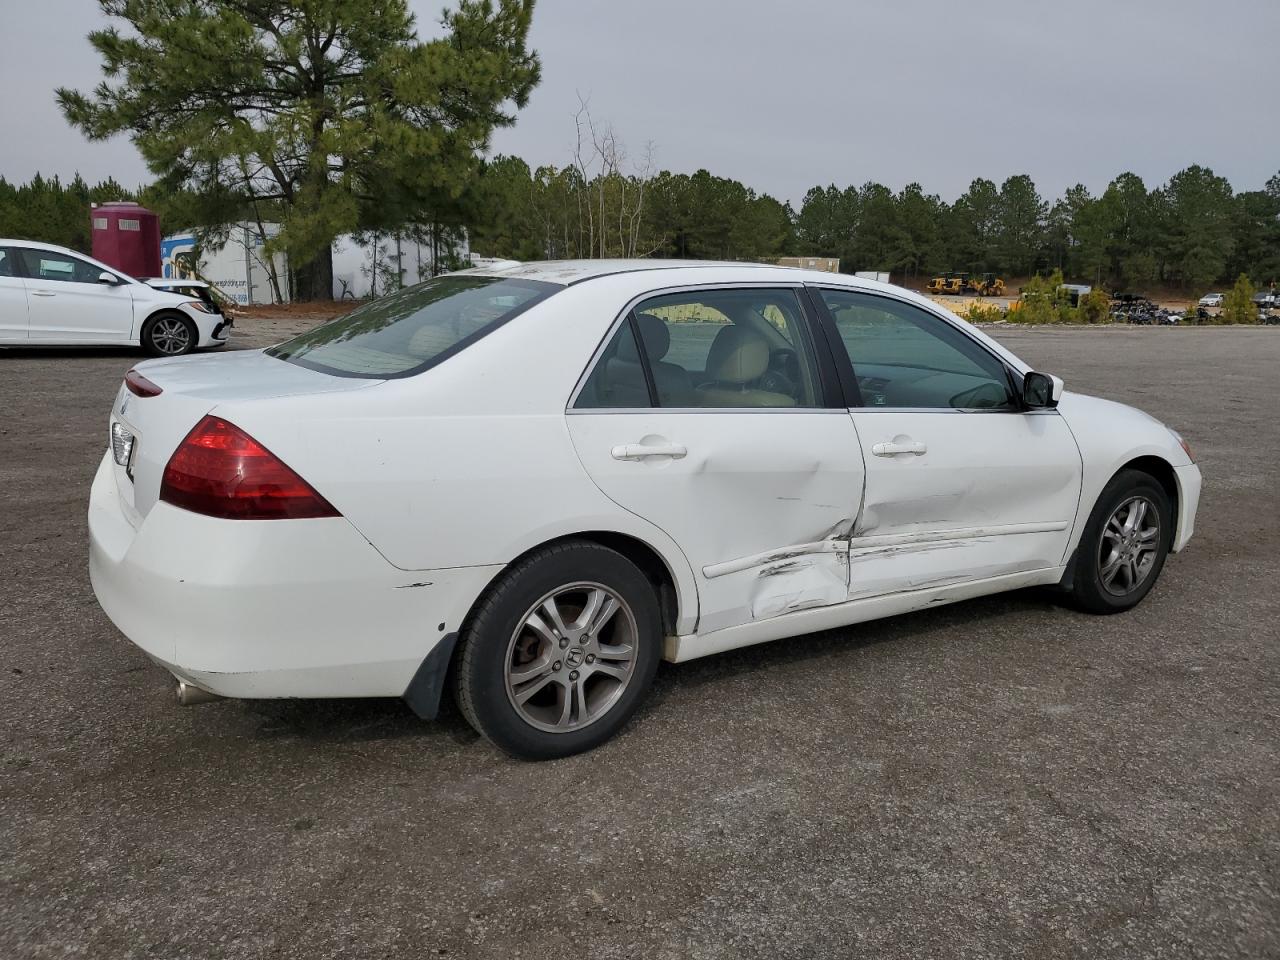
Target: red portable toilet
127,237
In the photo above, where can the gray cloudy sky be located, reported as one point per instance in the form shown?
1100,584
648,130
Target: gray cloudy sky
784,96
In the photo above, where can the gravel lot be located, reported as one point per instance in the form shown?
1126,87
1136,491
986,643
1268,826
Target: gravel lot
1002,777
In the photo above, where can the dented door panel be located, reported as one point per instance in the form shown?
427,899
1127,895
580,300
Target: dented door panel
761,502
981,495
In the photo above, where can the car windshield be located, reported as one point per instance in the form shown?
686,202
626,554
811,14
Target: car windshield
413,329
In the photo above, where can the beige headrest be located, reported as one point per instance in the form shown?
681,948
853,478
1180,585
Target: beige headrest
737,355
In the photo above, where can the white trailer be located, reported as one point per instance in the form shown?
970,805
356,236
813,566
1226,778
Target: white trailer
239,269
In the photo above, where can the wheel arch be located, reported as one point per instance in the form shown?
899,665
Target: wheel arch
425,689
647,558
164,311
1160,470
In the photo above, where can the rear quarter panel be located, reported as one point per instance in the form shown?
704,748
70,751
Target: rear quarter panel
469,463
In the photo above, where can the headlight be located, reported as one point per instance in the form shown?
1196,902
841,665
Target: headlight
200,305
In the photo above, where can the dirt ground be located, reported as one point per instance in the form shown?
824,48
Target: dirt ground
998,778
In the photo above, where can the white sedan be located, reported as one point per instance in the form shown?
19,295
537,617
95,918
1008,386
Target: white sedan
530,483
54,297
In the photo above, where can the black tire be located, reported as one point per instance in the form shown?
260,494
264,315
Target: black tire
1089,590
492,641
158,338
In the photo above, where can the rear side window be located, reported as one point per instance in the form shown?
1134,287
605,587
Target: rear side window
414,329
731,348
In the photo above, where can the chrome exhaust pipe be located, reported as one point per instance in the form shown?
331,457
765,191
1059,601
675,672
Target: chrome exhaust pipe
189,695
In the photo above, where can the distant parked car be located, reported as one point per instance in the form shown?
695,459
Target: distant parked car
1211,300
1265,298
52,296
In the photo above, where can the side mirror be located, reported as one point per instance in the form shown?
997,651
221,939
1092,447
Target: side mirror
108,278
1041,391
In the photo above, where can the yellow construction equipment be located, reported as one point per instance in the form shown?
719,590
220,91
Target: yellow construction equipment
950,285
989,285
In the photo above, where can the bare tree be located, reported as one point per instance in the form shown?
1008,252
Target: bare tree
609,198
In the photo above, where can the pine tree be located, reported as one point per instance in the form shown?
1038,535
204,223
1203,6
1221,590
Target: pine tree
330,116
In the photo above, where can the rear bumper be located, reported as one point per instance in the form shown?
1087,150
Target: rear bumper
275,608
1189,481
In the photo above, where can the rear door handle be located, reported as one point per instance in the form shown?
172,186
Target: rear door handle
43,293
638,451
899,445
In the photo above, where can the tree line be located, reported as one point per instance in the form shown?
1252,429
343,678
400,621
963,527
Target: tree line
51,211
1190,232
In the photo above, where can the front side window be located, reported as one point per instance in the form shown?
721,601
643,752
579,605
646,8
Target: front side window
6,264
708,349
413,329
47,265
903,356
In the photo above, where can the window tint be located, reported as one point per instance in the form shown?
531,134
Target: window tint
724,348
903,356
47,265
617,380
412,329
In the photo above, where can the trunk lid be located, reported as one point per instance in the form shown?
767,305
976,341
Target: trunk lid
192,387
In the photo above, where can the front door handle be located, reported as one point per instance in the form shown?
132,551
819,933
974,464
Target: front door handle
638,451
43,293
899,445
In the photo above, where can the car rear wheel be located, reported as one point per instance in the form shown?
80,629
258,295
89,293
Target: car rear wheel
1124,546
560,652
169,335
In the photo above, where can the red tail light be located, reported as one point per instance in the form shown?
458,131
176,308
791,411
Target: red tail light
140,386
221,471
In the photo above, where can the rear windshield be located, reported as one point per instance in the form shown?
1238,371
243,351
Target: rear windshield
413,329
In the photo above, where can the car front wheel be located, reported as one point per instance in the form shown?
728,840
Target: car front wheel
560,652
1125,544
169,335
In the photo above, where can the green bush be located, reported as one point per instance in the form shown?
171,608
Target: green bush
1095,307
1043,301
982,313
1238,305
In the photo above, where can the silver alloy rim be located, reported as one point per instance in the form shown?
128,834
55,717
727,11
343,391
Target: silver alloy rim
170,335
1129,547
571,657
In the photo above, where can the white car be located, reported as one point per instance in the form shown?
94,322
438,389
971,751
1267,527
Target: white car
531,483
1211,300
51,296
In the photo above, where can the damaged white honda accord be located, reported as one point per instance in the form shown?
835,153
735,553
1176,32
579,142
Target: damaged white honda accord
529,483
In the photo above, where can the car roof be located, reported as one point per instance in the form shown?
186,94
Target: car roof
569,272
37,245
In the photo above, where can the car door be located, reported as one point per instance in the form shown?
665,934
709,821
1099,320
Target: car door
963,483
707,413
13,299
66,301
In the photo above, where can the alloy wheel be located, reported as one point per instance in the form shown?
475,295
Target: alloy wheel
1129,547
571,657
170,336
